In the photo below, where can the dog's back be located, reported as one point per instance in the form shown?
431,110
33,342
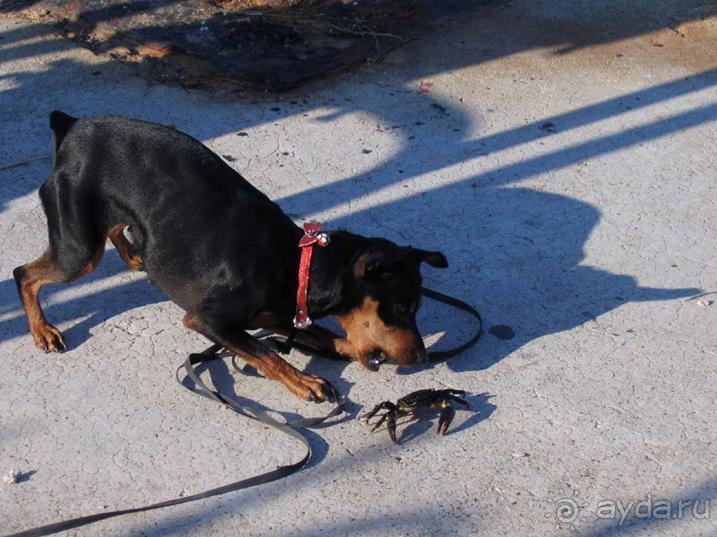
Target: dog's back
141,158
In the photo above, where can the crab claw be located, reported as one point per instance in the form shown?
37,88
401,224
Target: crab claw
390,418
391,426
445,419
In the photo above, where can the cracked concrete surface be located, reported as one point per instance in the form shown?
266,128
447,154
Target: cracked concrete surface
563,160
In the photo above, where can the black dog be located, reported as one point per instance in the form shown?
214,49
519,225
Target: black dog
217,247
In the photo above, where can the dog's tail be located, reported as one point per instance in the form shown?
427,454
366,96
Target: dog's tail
60,123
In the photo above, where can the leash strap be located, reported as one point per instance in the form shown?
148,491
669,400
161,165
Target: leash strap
458,304
290,428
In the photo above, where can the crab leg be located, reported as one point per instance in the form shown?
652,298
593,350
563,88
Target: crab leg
386,405
371,414
381,420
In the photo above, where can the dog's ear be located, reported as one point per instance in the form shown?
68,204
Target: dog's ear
435,259
373,264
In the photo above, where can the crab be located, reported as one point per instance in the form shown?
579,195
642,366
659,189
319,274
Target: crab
412,403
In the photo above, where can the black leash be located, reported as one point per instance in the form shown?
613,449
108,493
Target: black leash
290,428
437,356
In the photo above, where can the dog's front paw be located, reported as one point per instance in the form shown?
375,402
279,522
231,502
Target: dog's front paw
312,388
48,338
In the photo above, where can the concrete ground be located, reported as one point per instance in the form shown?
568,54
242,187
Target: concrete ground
563,159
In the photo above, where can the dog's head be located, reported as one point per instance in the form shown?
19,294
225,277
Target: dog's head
384,290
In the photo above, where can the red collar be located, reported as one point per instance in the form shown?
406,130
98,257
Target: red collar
307,242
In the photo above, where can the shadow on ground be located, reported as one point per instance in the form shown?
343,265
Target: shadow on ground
656,512
561,24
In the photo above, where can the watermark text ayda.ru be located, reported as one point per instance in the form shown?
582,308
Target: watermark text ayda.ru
622,511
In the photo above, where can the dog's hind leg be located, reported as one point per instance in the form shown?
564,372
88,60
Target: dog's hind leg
76,248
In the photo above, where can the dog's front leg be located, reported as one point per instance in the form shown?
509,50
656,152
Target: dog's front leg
322,339
259,356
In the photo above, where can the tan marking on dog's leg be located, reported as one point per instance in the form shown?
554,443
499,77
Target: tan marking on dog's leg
123,247
30,279
266,361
